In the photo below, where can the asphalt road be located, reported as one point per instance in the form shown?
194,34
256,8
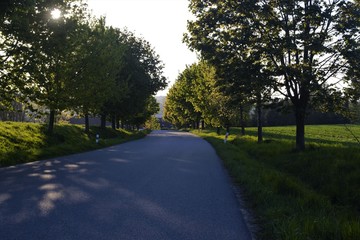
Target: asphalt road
169,185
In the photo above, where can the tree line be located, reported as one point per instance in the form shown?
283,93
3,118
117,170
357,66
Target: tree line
195,100
303,52
75,62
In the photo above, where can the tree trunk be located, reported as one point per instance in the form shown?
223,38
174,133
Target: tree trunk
117,122
87,124
259,118
103,121
242,121
113,122
202,124
259,122
300,106
300,128
51,122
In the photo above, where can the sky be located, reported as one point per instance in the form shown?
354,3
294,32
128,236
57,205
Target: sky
160,22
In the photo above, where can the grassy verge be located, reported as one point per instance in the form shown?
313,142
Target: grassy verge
310,195
26,142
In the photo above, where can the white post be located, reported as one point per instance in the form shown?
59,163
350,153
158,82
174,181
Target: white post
226,137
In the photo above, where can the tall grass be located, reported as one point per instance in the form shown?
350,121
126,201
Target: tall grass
308,195
25,142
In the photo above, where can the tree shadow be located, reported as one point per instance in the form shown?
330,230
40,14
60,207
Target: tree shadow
90,196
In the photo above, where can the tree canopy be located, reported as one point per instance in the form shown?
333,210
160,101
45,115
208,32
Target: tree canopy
195,97
305,46
74,62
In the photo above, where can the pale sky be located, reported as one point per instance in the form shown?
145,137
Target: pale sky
160,22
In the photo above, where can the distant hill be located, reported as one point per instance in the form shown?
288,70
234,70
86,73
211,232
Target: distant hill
161,101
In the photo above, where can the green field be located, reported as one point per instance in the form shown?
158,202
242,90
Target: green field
297,195
26,142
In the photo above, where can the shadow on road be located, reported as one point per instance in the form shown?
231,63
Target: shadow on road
118,193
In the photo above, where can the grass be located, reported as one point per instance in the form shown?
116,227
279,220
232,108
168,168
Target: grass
26,142
313,194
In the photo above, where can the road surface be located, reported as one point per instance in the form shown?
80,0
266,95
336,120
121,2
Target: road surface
169,185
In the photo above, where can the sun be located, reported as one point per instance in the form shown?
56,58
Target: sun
55,14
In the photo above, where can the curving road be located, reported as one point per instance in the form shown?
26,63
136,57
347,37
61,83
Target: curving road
169,185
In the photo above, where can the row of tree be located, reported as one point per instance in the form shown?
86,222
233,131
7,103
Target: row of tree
75,62
303,51
195,100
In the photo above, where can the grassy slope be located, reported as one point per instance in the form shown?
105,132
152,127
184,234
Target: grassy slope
310,195
25,142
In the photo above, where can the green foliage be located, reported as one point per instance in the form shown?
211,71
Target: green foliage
45,51
94,85
299,45
12,23
74,63
177,109
151,107
142,74
200,84
195,96
298,195
153,124
26,142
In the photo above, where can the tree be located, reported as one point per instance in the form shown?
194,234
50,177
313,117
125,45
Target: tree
12,25
151,107
75,62
50,47
240,71
93,85
10,74
246,82
196,97
153,123
303,43
199,82
353,51
177,109
143,75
